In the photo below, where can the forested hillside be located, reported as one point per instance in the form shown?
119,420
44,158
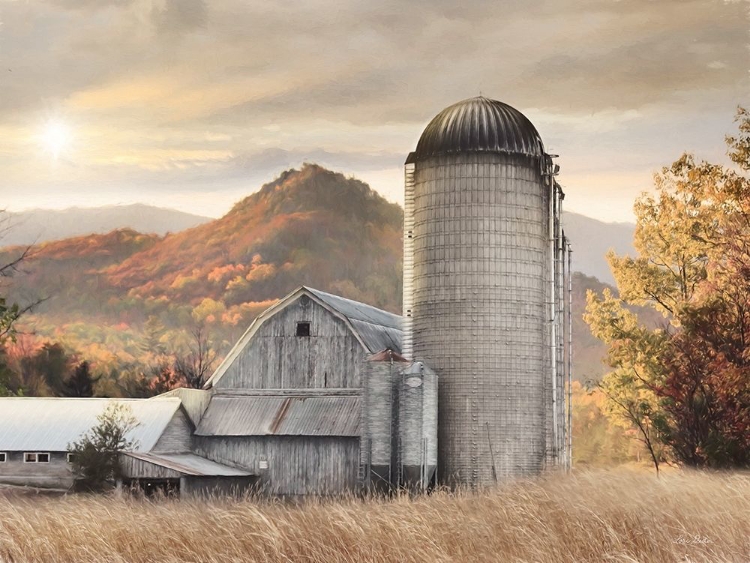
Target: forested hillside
126,300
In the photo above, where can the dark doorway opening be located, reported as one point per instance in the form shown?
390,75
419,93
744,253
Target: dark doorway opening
155,487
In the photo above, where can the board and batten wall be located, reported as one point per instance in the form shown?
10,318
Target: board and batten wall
56,474
275,358
296,465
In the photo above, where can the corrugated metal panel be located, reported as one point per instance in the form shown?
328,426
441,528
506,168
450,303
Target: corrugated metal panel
478,125
378,338
283,416
191,464
378,329
50,424
239,416
320,416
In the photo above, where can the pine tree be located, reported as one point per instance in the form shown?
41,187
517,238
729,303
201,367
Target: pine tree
81,382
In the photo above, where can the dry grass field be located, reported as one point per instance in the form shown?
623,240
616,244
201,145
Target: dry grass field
599,516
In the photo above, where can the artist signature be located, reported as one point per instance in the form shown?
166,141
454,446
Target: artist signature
693,540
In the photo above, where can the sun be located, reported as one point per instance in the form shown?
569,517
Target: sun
55,137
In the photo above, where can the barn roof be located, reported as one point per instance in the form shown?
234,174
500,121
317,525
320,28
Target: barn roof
380,330
281,416
50,424
376,330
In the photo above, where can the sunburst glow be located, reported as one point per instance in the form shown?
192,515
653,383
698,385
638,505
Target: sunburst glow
55,137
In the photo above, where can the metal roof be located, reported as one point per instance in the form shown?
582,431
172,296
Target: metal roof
191,464
479,125
355,310
378,329
281,416
50,424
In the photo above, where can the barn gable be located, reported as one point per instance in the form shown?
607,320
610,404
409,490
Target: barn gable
310,339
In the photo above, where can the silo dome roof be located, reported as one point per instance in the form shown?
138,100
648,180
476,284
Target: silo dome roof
479,125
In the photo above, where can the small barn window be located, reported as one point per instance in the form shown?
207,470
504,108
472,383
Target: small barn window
303,328
35,457
3,457
71,458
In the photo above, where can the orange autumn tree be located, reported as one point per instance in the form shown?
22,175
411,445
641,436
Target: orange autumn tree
685,386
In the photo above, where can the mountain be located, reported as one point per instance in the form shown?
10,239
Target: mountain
592,239
309,226
112,296
42,225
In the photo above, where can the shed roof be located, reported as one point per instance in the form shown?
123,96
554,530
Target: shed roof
191,464
281,416
50,424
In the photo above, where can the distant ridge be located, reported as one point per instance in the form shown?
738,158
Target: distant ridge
591,239
43,225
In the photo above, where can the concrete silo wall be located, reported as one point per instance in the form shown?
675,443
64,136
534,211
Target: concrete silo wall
480,275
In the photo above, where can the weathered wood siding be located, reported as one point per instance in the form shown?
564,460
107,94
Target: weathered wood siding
297,465
275,358
176,436
55,474
215,486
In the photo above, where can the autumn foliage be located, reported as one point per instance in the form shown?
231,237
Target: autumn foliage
131,304
685,386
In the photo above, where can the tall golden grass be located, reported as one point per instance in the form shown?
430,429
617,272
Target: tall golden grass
600,516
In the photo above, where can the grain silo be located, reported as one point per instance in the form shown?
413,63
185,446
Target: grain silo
483,252
399,423
417,416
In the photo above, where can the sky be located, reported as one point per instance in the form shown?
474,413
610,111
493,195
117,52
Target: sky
192,104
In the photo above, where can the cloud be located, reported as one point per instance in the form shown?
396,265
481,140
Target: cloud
174,88
178,16
90,4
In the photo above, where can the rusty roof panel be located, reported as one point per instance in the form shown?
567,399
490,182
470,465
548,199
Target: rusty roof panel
321,416
282,416
239,416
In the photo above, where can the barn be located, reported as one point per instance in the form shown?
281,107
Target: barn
289,401
289,412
